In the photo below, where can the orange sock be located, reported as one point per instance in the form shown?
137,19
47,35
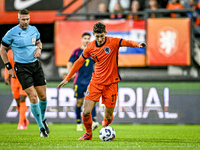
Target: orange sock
87,121
23,109
106,122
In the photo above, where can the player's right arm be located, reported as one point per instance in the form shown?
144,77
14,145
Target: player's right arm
5,59
77,65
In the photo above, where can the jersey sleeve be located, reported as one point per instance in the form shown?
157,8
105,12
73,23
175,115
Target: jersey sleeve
7,39
117,42
86,51
38,34
129,43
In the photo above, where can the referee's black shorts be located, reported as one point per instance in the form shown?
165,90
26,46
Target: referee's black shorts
30,74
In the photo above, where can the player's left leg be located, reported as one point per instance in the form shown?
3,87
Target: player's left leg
41,92
92,96
87,119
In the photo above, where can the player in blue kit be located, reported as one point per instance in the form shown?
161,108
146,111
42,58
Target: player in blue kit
81,80
27,46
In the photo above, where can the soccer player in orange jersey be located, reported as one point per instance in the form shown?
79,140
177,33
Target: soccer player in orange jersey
18,93
104,82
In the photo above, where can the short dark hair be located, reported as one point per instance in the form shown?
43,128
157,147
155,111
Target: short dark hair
85,33
23,12
99,27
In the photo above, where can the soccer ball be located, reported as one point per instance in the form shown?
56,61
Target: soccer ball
107,134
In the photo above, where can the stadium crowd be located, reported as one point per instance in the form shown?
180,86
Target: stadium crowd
117,8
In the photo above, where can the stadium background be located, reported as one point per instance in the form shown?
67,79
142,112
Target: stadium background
157,88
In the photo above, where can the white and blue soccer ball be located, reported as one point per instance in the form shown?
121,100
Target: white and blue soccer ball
107,133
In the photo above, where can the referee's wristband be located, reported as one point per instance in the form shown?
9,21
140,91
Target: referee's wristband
38,47
8,66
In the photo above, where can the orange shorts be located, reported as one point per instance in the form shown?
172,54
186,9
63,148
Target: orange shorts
16,88
108,93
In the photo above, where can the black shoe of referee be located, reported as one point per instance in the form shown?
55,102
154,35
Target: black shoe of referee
46,126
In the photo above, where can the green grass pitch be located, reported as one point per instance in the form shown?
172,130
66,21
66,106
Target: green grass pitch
128,137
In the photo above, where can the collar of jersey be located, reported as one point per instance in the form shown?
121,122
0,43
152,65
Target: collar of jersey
23,29
102,44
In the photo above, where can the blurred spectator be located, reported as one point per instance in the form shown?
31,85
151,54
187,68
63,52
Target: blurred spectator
125,4
162,3
175,4
185,3
196,6
102,8
118,11
192,4
142,4
135,7
153,5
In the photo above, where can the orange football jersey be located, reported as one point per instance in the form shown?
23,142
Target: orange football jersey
106,58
